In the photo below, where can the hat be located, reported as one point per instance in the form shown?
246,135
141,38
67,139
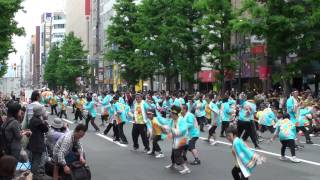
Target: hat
57,123
37,110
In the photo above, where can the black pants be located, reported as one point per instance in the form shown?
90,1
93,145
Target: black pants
265,128
288,143
177,156
237,174
212,130
155,144
122,136
224,127
249,129
140,129
73,108
54,108
201,121
305,132
115,130
78,114
63,112
91,120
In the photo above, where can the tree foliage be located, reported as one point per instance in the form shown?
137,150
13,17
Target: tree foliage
66,62
215,27
120,43
8,28
155,37
289,27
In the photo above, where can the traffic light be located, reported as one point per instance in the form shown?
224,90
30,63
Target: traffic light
14,66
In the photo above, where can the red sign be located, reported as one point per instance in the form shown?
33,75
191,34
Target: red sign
264,72
87,7
207,76
258,49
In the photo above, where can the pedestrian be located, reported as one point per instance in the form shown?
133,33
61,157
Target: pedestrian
156,134
303,121
57,130
35,100
11,131
63,108
246,121
79,102
193,133
286,131
37,143
200,113
68,150
53,101
225,115
179,130
215,120
92,113
112,121
121,118
246,159
141,125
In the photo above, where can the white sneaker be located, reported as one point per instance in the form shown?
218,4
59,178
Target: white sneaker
160,156
213,143
282,158
295,159
149,152
185,171
170,166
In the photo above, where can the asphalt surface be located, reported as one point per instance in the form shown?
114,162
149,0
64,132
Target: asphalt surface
111,161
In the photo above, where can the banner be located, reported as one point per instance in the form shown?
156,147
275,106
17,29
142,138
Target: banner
87,7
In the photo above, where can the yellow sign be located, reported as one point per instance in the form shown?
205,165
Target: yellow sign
139,86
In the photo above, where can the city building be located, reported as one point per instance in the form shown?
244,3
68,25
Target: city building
36,58
58,27
52,30
77,19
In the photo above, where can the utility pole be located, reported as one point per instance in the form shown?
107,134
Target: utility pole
21,71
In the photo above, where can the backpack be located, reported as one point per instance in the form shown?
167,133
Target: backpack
4,144
80,172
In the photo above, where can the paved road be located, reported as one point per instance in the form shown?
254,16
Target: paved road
110,161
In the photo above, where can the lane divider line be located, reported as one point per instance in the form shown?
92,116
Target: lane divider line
310,144
68,121
266,152
111,140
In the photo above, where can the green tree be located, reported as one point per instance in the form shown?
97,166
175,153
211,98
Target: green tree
119,43
167,40
8,28
50,69
66,62
215,27
289,27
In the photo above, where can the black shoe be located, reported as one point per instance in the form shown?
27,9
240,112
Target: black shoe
195,162
309,142
118,140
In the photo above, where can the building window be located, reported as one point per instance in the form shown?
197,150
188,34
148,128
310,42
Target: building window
57,17
58,26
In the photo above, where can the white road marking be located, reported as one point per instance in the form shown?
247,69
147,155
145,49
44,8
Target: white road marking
111,140
310,144
266,152
68,121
